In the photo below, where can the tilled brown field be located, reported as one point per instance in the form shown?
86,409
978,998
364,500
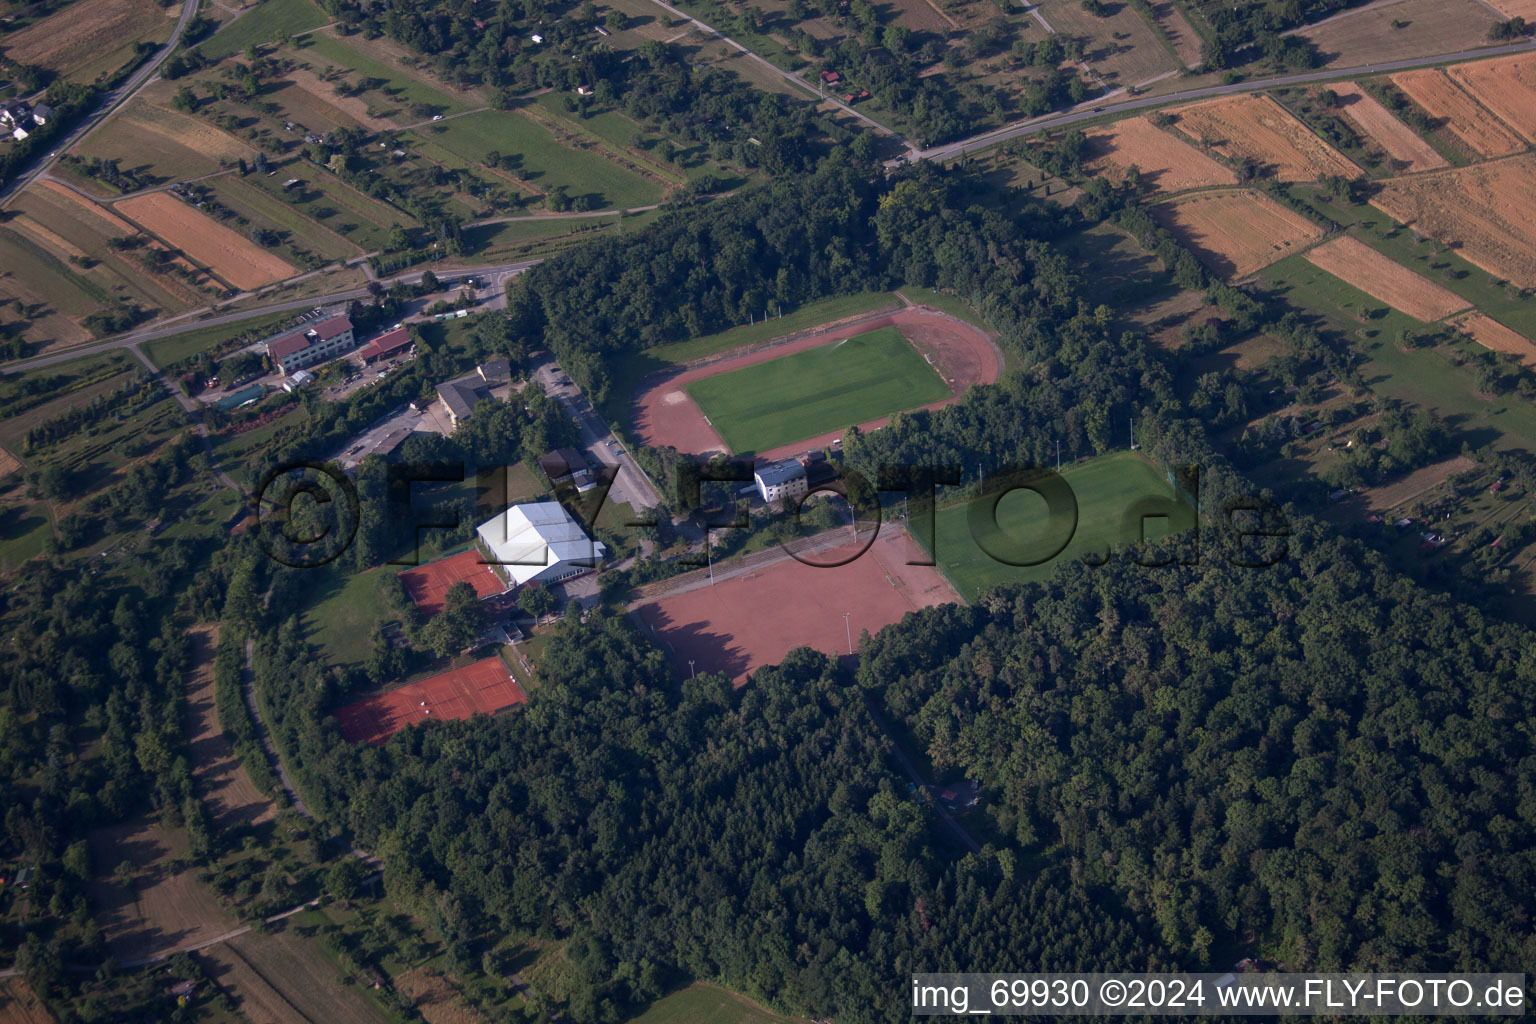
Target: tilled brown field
1494,336
1357,264
1483,211
1506,86
1259,129
1166,162
1399,141
235,259
1238,232
1458,113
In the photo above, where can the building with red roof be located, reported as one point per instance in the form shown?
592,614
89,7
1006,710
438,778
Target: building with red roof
324,341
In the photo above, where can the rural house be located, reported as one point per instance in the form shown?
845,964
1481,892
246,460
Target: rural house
565,466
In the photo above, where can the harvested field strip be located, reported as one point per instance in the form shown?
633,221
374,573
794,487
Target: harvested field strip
75,199
1494,336
1506,86
256,205
1166,162
1259,129
189,132
84,31
1357,264
1181,35
1483,210
1239,232
340,109
1516,8
253,995
20,1005
1392,135
1457,112
406,86
47,239
234,259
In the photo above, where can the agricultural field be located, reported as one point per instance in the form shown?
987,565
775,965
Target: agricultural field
166,907
1395,138
334,206
1237,232
1498,298
233,258
1122,50
1482,211
1506,86
161,145
56,262
316,106
758,408
1257,128
261,24
544,162
1457,113
1495,337
1166,162
1181,34
415,99
90,38
1105,489
1356,263
303,238
1516,8
1378,33
1431,378
221,781
287,980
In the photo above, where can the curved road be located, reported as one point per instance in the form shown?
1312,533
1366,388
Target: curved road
135,82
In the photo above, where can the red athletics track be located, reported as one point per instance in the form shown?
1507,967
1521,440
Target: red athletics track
427,585
740,624
484,687
663,414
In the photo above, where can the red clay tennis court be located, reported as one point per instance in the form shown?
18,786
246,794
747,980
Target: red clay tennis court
484,687
427,585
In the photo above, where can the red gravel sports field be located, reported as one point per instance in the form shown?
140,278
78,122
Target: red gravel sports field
746,621
664,415
427,585
484,687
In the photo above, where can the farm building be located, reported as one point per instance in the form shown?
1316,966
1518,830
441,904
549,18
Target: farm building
385,345
300,349
781,479
540,542
566,466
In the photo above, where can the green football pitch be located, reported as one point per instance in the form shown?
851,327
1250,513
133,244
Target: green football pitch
816,391
1105,488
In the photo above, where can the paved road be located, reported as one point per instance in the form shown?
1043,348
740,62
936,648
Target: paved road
497,275
135,82
631,486
1091,109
